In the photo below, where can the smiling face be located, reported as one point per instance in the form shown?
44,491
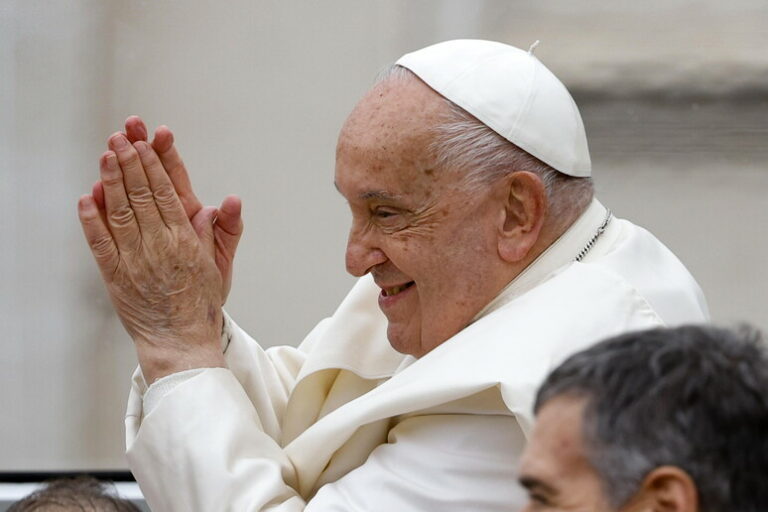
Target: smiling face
430,244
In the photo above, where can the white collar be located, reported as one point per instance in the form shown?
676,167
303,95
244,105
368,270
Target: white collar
563,251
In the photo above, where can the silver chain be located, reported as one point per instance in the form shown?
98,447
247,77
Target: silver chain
594,238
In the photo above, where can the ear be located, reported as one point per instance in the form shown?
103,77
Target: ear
668,489
525,208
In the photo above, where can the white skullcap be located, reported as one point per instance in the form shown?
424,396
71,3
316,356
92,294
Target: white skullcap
512,93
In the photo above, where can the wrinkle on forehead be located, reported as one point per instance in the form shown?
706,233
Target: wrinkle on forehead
396,114
385,153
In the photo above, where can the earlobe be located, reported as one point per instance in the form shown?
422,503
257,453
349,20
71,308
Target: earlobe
668,489
524,211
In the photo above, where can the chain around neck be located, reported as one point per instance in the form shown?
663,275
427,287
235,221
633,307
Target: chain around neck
594,238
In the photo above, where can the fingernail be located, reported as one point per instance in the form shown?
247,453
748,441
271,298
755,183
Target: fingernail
119,141
141,147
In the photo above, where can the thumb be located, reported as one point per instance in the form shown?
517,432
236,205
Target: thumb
229,224
202,222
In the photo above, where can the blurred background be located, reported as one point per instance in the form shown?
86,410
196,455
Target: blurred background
674,95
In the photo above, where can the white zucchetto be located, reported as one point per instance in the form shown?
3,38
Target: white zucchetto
512,93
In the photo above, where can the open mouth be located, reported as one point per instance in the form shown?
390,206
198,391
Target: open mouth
389,292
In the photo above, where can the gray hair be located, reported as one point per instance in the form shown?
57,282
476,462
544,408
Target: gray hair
694,397
464,143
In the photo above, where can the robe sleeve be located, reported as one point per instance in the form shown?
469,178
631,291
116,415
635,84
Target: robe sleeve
233,465
211,440
204,448
267,376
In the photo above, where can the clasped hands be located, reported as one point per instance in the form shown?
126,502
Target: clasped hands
165,258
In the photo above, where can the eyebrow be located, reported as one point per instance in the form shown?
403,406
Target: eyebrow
378,194
532,483
381,195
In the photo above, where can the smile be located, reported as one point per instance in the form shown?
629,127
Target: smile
389,292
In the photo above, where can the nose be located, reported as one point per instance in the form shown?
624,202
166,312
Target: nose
363,252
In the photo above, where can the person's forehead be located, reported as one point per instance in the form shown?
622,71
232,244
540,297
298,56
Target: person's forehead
386,144
556,445
397,109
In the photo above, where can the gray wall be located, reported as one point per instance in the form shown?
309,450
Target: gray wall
672,93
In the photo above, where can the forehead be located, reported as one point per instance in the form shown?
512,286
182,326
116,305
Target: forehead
556,449
391,127
397,108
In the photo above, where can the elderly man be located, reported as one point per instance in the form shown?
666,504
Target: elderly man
670,420
484,260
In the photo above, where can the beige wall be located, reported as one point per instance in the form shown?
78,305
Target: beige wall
256,92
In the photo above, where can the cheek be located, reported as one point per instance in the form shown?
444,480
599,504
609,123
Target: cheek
465,252
454,274
446,253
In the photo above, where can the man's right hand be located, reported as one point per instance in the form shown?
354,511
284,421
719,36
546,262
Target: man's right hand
228,224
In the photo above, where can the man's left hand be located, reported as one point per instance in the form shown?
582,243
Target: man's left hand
161,276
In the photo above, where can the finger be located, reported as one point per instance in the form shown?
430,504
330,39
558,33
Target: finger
97,191
174,166
163,140
135,129
120,215
226,232
99,238
229,226
136,183
167,201
203,224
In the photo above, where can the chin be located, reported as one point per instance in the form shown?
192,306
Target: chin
403,341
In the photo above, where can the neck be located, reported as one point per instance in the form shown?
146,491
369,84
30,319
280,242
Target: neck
555,248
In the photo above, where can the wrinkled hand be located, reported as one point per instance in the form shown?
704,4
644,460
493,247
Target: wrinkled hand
228,224
159,270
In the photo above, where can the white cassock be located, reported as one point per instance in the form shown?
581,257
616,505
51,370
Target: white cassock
345,423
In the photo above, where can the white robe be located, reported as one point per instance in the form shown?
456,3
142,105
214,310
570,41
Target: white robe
345,423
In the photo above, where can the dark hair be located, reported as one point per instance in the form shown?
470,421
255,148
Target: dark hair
77,494
694,397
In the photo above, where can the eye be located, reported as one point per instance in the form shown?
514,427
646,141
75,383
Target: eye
389,219
383,213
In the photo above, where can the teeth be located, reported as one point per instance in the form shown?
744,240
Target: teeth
388,292
392,291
